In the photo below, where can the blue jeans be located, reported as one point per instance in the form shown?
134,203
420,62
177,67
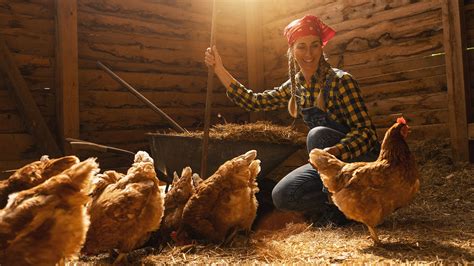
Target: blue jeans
302,189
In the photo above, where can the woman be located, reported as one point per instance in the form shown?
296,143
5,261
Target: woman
330,103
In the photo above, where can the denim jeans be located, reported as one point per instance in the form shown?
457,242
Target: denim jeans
302,189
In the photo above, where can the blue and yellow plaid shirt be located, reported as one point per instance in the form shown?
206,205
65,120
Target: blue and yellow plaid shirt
344,104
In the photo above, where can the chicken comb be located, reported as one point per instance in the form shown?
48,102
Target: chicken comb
401,120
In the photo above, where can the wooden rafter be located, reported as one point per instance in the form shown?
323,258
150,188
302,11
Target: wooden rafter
26,103
454,45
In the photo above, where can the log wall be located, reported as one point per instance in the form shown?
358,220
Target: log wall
28,28
386,45
469,25
158,47
390,47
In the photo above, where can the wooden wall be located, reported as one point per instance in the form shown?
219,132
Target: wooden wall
28,27
469,18
385,45
158,47
390,46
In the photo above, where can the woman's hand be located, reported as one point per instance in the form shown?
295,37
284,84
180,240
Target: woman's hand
333,150
212,58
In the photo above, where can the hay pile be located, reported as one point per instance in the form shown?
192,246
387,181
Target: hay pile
436,228
262,131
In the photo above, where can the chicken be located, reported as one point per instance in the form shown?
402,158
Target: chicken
181,190
44,224
368,192
34,174
224,203
125,208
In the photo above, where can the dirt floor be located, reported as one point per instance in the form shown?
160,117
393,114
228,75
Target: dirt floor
437,228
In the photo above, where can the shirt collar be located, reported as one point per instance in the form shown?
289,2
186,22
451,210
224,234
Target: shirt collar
300,79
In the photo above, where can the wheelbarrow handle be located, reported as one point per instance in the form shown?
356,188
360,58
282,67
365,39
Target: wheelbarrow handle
87,145
142,98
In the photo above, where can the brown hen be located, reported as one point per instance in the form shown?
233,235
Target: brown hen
125,208
224,203
175,200
44,224
34,174
368,192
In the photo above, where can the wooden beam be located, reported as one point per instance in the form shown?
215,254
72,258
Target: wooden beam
26,103
455,46
471,131
254,50
67,88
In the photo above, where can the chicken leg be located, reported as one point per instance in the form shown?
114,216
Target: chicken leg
373,235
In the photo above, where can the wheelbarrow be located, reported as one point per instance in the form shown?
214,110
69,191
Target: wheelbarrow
177,152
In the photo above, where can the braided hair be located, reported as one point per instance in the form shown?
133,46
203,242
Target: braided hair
292,104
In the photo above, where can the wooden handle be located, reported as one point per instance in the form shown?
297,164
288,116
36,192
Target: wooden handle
210,88
142,98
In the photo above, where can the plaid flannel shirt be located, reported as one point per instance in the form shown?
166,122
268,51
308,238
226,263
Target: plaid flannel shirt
344,104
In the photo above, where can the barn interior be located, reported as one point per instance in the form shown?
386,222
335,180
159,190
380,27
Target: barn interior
410,58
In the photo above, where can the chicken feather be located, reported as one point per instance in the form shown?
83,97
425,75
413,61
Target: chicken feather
127,210
370,191
41,225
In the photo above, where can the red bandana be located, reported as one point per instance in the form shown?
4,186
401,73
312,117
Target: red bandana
308,25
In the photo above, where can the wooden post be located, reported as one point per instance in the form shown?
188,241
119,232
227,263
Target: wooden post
26,103
255,65
454,45
67,88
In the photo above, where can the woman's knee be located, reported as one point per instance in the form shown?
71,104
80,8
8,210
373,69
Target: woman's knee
318,138
281,196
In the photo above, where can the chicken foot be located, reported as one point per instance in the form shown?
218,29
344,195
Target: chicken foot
373,235
121,259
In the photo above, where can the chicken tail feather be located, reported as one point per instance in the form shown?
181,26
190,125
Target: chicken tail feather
81,173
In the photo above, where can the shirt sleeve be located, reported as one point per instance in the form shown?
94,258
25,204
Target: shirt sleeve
263,101
362,136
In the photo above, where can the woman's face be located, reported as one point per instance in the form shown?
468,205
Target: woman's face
307,51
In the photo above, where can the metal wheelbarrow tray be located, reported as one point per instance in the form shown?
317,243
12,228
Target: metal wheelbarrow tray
177,152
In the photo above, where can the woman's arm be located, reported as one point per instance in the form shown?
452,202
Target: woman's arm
245,98
362,136
213,59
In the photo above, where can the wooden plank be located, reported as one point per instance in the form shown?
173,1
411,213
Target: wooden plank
67,89
471,131
429,84
17,146
178,62
159,69
455,68
124,99
254,47
413,118
32,8
173,30
115,136
29,43
394,66
130,118
153,42
402,75
97,80
407,104
11,122
27,23
26,103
